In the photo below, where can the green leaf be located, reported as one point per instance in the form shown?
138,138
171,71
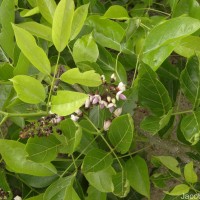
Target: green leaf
190,127
98,116
23,66
85,49
15,157
72,135
164,37
152,94
137,174
62,22
38,197
106,32
121,185
6,71
96,160
116,12
188,46
41,149
38,30
156,57
169,31
47,9
4,183
28,89
179,190
28,13
7,16
38,181
169,162
67,102
61,189
88,78
153,124
93,193
121,133
79,18
31,50
190,81
189,173
109,66
101,180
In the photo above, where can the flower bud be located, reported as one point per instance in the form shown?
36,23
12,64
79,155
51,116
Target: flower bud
103,104
108,98
79,112
113,100
17,198
87,103
121,87
113,78
74,118
96,99
118,112
106,125
121,96
111,107
103,78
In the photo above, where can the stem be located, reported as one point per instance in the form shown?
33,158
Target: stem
78,156
35,114
53,80
182,112
136,69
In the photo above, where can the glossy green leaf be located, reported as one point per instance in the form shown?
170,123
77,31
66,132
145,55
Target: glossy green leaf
31,50
121,184
109,66
188,46
189,173
47,9
153,124
137,174
157,56
62,22
152,94
38,181
41,149
116,12
106,32
38,30
6,71
4,183
179,190
33,3
96,160
14,152
93,193
121,133
85,49
190,81
7,16
72,135
169,162
88,78
79,18
67,102
23,66
28,89
61,189
38,197
190,127
28,13
170,31
101,180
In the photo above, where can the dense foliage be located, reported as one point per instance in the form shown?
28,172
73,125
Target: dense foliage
99,99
